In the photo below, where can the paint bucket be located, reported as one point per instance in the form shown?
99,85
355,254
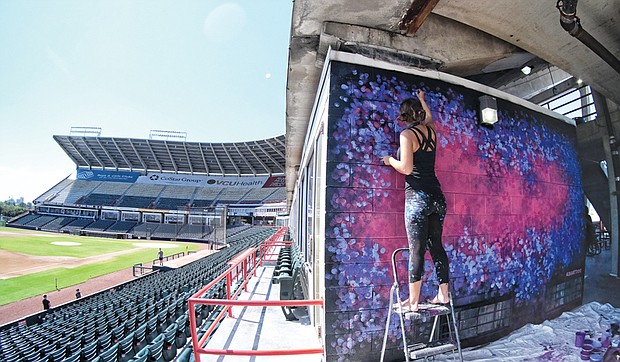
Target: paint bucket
579,337
596,357
586,351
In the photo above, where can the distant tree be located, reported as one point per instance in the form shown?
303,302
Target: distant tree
11,207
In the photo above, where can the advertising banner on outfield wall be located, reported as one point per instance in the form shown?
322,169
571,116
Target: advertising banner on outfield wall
157,178
107,175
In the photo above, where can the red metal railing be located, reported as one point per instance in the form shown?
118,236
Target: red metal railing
244,264
269,248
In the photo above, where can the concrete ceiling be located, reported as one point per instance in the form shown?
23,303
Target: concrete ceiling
487,41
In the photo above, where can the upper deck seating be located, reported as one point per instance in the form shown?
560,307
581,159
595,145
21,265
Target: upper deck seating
136,201
98,199
171,204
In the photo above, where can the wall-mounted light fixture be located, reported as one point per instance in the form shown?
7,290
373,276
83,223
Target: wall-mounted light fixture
488,110
526,70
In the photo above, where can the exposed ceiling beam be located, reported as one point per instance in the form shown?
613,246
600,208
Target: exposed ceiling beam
256,157
138,155
150,147
415,15
104,148
174,164
217,159
86,162
245,159
234,164
204,159
127,162
93,153
189,160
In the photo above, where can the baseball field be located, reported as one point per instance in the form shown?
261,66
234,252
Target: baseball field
33,262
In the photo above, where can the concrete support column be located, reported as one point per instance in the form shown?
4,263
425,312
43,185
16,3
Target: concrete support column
613,171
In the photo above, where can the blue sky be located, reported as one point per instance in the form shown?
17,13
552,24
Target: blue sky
213,69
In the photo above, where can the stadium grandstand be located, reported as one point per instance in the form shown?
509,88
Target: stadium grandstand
160,188
143,319
226,194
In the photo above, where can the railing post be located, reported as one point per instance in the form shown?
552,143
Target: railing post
228,292
254,262
244,265
194,327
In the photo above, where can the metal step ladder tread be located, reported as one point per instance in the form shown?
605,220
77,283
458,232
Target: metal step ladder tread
425,311
431,351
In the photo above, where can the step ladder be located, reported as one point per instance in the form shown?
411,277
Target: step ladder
425,312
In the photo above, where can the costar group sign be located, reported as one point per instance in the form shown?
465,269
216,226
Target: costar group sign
203,181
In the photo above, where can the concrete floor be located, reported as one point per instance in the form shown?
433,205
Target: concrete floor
263,328
599,286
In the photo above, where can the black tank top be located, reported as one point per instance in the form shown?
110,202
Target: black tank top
423,175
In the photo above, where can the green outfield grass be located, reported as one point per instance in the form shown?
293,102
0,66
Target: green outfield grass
17,288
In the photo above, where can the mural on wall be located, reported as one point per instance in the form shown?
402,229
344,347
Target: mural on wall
515,203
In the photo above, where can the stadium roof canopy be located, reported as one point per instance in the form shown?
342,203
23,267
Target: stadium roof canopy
262,157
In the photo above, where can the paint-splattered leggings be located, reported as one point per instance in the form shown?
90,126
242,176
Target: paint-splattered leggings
424,215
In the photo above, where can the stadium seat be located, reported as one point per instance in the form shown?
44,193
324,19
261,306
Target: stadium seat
101,329
141,317
156,349
159,305
187,355
88,336
104,341
125,348
130,325
58,355
14,357
110,354
169,350
73,346
112,321
162,320
182,331
118,333
150,311
75,357
181,306
44,347
89,351
30,355
61,342
151,329
139,339
198,313
142,355
171,313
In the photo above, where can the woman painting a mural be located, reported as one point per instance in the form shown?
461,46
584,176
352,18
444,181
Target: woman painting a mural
425,204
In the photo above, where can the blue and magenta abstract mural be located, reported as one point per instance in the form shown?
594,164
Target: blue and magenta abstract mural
515,203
